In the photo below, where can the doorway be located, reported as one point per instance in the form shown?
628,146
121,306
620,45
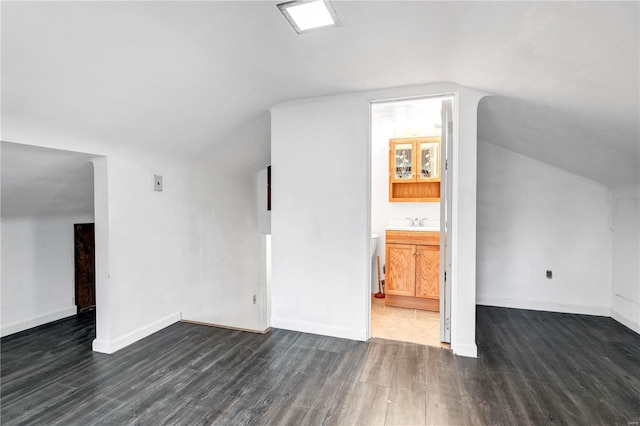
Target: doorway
409,149
45,193
85,266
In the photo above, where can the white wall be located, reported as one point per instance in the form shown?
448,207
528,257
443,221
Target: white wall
264,215
320,219
191,248
225,247
38,282
264,227
225,244
139,243
320,229
625,303
463,173
533,217
147,247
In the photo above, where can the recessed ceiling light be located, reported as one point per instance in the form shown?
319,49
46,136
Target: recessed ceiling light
304,15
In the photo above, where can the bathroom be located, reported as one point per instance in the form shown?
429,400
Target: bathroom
394,124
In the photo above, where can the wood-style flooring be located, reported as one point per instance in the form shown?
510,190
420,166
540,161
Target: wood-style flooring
533,368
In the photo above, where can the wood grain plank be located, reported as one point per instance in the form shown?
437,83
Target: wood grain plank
379,366
406,407
361,404
533,368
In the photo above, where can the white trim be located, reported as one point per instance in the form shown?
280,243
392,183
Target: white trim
39,320
104,310
229,327
109,347
537,305
101,346
321,329
463,349
617,316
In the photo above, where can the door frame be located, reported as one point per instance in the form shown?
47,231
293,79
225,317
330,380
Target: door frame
446,219
447,94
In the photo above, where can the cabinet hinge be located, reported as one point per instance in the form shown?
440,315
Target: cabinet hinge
450,127
445,276
446,164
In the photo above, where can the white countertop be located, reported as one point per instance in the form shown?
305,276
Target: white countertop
405,225
413,228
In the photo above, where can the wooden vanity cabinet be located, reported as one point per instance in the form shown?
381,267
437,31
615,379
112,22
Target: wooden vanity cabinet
412,278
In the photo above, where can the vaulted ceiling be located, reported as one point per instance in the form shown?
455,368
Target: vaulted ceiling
45,182
179,77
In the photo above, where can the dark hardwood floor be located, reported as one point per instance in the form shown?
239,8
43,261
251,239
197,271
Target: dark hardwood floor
533,368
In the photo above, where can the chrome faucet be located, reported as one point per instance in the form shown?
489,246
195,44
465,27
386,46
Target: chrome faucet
417,222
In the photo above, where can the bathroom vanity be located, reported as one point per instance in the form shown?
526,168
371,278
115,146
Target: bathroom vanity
412,278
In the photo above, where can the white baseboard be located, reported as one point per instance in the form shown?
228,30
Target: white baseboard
625,321
321,329
38,320
109,347
464,349
535,305
101,346
229,327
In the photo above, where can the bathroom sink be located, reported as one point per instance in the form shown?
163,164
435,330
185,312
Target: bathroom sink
405,225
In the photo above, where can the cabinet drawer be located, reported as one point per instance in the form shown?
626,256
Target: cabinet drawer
424,238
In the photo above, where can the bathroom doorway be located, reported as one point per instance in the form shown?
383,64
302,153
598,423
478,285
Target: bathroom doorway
409,262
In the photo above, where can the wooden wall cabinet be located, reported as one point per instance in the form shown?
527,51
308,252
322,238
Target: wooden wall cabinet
412,278
414,169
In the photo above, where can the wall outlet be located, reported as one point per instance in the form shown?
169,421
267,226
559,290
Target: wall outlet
157,183
255,299
549,274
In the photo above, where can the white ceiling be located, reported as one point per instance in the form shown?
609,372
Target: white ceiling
178,77
45,182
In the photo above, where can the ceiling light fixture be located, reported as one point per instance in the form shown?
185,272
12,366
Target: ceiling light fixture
305,15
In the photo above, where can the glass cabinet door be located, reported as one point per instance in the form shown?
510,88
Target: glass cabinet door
403,161
429,161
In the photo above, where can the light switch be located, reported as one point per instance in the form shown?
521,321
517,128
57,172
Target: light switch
157,183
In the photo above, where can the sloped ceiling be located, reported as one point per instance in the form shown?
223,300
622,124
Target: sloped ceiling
177,77
41,182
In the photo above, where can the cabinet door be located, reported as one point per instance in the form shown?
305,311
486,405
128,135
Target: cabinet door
428,272
400,278
402,161
428,154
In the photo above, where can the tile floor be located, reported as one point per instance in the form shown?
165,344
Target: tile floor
407,325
